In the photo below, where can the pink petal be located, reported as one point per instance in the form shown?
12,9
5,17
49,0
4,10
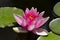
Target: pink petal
34,21
40,22
26,11
19,30
20,20
40,31
32,8
24,23
34,11
31,27
41,14
24,16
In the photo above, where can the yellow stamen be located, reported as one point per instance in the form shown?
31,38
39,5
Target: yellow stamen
31,17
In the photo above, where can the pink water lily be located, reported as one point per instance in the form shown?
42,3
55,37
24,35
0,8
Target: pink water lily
31,20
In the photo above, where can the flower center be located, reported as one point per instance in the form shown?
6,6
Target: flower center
31,17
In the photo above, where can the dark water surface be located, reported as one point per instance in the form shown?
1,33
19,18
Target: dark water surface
41,5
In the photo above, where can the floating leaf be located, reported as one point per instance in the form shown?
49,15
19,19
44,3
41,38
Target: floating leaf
6,16
55,25
57,9
51,36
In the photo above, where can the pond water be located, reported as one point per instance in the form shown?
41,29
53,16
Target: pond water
41,5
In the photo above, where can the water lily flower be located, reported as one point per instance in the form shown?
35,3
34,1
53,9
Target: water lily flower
31,21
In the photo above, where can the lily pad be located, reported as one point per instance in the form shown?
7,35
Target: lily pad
51,36
56,9
6,16
55,25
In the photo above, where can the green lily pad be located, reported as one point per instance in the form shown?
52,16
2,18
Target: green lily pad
6,16
57,9
55,25
51,36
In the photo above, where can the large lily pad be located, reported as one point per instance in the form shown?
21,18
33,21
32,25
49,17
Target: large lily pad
51,36
55,25
6,16
57,9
